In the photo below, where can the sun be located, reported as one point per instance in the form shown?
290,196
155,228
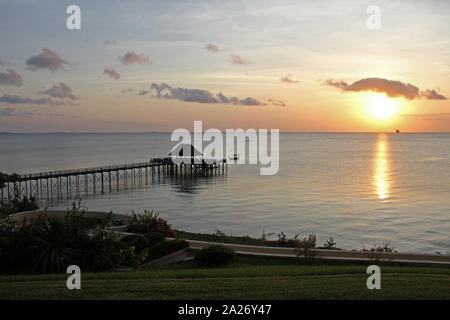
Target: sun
382,107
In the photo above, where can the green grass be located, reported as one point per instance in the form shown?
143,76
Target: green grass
246,278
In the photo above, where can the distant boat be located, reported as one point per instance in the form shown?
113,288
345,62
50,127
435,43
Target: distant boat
397,131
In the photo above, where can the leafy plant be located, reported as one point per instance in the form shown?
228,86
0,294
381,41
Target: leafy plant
138,241
215,256
17,204
50,243
305,247
282,239
329,244
154,238
164,248
143,222
129,257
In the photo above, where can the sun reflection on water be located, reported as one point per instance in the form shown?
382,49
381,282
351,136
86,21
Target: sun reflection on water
381,173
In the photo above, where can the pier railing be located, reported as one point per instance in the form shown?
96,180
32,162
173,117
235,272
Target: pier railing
66,183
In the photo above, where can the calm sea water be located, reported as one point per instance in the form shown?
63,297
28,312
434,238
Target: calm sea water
361,189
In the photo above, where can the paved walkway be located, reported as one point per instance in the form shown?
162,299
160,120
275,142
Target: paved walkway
342,255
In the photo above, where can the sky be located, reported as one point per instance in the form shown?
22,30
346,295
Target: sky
159,65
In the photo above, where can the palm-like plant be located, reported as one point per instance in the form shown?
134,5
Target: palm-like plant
54,245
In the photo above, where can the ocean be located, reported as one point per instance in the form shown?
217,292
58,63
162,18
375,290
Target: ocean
362,189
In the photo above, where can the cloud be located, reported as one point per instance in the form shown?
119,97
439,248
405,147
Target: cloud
132,57
287,79
432,95
10,112
164,91
211,47
62,91
6,112
47,59
391,88
238,60
11,77
112,73
15,99
249,101
277,103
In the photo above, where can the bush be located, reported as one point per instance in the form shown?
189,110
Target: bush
138,241
305,246
142,223
154,238
330,244
164,248
17,204
49,244
214,256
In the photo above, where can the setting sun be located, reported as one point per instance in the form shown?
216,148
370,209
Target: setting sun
382,107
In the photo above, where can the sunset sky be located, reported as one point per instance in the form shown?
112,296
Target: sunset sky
160,65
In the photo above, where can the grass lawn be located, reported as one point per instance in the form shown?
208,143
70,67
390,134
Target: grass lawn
245,278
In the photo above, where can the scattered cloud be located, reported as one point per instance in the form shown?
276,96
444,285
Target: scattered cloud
211,47
10,112
15,99
47,59
132,57
432,95
112,73
288,79
235,59
277,103
11,78
164,91
62,91
7,112
391,88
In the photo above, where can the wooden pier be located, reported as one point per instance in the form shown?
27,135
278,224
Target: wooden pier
66,184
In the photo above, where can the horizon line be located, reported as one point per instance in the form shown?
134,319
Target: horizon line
144,132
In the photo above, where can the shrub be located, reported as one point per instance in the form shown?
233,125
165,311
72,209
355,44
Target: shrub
154,238
329,244
164,248
17,204
143,222
214,256
129,257
49,244
138,241
284,241
305,246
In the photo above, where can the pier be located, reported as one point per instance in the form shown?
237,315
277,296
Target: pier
66,184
